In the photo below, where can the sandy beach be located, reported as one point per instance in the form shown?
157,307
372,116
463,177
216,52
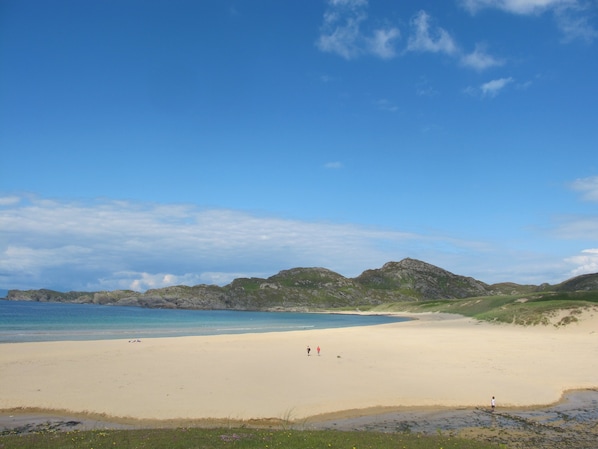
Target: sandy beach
436,360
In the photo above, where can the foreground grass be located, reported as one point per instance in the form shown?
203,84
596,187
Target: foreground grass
524,309
195,438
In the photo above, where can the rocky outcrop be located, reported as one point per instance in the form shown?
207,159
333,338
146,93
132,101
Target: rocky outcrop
422,281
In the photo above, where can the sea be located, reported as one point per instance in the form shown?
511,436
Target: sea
27,321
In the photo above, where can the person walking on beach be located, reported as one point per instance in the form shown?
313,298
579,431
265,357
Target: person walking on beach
308,350
318,349
493,404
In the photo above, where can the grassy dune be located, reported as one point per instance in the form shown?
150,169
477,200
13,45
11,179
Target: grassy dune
523,309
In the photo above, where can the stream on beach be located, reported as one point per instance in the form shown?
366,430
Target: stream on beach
571,423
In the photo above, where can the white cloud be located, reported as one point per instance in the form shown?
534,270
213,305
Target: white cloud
492,88
117,244
382,43
480,60
9,200
587,262
107,244
425,40
342,39
353,4
516,6
588,187
341,32
572,16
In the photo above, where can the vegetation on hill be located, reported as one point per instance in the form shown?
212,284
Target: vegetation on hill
400,286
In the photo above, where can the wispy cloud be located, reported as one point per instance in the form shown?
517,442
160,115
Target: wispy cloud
118,244
575,24
489,89
588,187
386,105
480,60
382,43
109,244
492,88
8,200
516,6
423,88
342,34
335,165
572,17
428,39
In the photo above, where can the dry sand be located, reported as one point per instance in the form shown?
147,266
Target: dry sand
437,360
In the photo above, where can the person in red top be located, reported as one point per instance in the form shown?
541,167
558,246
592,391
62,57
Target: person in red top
318,350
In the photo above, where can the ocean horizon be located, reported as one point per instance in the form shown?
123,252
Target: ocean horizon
27,321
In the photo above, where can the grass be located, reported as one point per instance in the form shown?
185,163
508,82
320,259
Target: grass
529,309
243,438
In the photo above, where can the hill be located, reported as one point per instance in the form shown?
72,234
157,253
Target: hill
407,281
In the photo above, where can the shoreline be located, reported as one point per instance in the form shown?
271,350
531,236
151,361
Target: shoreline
433,362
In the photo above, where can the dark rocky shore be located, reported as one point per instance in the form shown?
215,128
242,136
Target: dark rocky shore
571,424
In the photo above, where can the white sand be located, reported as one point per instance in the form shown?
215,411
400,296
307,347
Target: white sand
437,360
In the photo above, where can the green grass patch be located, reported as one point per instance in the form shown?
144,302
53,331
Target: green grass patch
530,309
197,438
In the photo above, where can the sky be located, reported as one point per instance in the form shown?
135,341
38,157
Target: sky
153,143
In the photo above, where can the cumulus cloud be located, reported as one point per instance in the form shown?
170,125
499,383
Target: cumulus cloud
587,262
588,187
427,39
342,33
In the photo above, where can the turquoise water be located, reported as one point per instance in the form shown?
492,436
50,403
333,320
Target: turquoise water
25,321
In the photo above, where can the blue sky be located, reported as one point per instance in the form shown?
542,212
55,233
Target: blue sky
154,143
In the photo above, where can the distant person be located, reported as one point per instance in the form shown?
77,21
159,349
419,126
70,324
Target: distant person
308,350
493,404
318,349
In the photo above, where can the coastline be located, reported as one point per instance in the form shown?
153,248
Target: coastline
434,362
